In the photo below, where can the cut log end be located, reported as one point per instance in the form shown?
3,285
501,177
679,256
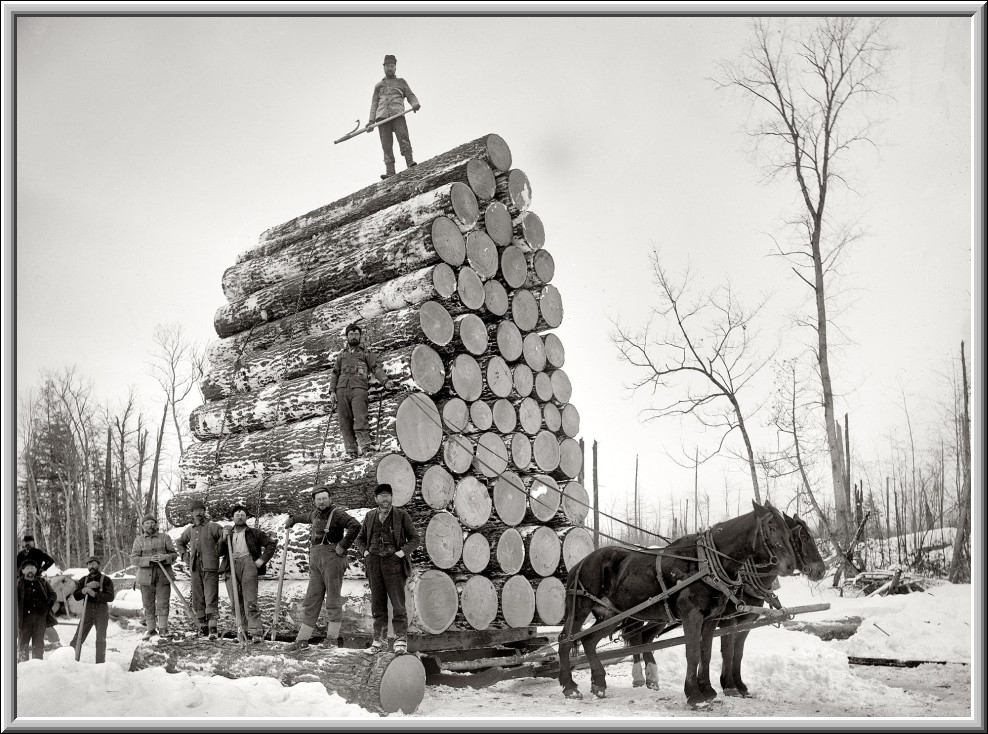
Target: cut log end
497,223
495,298
491,455
498,153
438,487
550,600
510,551
464,205
447,241
499,379
528,231
481,415
436,323
543,265
419,427
481,179
455,415
524,310
551,306
482,254
470,288
476,553
510,498
433,601
478,601
466,377
397,471
472,502
514,266
575,502
518,602
533,349
444,540
473,333
428,371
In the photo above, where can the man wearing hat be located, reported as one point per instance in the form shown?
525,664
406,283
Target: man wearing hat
35,597
389,99
332,533
97,590
251,549
150,549
41,559
198,547
387,538
348,385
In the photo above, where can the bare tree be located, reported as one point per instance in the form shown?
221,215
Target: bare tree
960,566
177,365
706,355
808,84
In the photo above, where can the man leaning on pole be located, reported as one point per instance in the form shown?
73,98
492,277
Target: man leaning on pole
198,545
153,550
95,590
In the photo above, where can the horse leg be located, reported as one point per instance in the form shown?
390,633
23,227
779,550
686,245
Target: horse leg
703,675
637,679
574,621
598,679
692,623
727,642
742,689
651,669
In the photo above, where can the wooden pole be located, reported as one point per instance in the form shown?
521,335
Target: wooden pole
696,489
596,505
637,523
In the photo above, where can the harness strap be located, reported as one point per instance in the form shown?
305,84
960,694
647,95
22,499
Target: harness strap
665,591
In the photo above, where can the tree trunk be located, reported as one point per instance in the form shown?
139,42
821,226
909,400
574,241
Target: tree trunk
542,550
294,281
508,338
481,254
510,498
490,455
472,502
478,601
514,267
517,607
514,191
960,567
437,487
471,332
550,600
472,163
497,223
527,232
541,269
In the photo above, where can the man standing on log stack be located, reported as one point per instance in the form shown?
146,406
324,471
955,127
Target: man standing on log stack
152,548
387,537
333,532
348,386
250,550
389,100
97,591
198,546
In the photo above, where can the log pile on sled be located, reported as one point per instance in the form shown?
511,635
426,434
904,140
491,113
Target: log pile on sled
444,267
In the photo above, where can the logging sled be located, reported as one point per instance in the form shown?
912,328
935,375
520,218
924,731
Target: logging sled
444,268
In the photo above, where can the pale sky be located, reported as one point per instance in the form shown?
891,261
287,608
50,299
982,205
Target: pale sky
152,150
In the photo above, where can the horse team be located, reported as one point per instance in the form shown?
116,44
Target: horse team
700,581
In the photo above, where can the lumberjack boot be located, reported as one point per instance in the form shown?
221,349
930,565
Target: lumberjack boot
302,639
389,170
409,162
332,636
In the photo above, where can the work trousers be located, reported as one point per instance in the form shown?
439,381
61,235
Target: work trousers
326,571
157,602
351,407
98,615
399,128
205,594
32,635
386,577
250,615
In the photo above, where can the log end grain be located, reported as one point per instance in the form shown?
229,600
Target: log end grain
524,310
543,497
545,451
436,323
570,420
555,353
433,601
438,487
476,553
498,153
444,280
523,379
497,223
544,265
444,540
466,377
552,417
470,288
481,179
510,551
519,190
505,417
479,602
428,370
402,685
465,206
509,340
396,470
551,306
448,241
543,387
482,254
495,298
570,457
481,415
473,333
472,502
518,602
419,427
550,600
575,502
514,266
577,545
521,450
491,455
510,498
530,415
458,451
499,378
533,349
455,415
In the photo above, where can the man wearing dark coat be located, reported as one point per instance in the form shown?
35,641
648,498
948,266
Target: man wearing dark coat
40,558
198,546
387,537
96,591
35,598
388,100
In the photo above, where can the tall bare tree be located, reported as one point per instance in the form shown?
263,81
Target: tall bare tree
177,365
809,84
960,566
705,356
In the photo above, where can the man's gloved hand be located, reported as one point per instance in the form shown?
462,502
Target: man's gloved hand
369,127
289,523
416,107
92,585
340,550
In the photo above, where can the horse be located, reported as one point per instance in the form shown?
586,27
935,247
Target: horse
809,562
612,580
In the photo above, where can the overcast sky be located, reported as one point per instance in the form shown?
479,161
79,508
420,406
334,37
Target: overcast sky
152,150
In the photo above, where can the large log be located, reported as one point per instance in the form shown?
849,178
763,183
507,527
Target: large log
552,418
383,683
508,339
533,350
287,447
423,323
545,451
514,267
524,309
521,450
495,298
496,222
509,551
517,606
472,163
431,601
514,191
443,540
570,420
490,455
577,544
543,387
481,415
472,333
470,289
478,601
542,550
418,367
550,307
575,503
543,497
481,254
458,453
527,231
510,498
562,388
505,417
541,269
497,377
555,353
529,415
418,427
466,377
456,415
295,281
472,502
476,552
522,380
408,290
437,487
550,600
570,458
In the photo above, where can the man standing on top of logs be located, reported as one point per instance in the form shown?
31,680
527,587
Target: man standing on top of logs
387,537
152,548
348,385
250,549
97,590
35,598
198,546
333,532
388,100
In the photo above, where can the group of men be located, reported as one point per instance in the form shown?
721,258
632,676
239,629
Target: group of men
36,600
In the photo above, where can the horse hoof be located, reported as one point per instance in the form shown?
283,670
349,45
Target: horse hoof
734,692
573,693
599,692
699,705
654,685
638,684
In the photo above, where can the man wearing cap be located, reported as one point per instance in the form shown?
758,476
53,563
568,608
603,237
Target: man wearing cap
150,549
35,597
96,589
41,559
389,99
332,533
198,546
348,386
387,538
251,549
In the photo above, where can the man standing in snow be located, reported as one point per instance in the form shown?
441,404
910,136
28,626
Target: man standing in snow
96,589
387,537
35,598
198,546
150,549
388,100
348,385
250,549
332,533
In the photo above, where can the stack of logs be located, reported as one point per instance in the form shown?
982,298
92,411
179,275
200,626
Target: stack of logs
444,267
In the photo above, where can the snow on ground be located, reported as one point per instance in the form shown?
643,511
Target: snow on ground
791,674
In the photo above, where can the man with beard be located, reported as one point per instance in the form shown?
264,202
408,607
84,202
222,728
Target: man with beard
41,559
35,598
348,386
150,549
333,531
389,100
387,537
96,590
198,546
250,549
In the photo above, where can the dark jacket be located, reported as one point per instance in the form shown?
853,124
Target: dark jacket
406,535
259,545
34,597
389,98
37,555
353,368
341,531
104,593
199,546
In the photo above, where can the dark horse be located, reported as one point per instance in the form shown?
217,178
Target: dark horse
808,561
611,580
